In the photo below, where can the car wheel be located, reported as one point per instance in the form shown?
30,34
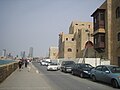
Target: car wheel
81,75
114,83
93,78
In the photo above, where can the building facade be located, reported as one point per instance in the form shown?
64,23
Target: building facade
106,21
72,44
82,33
67,46
53,53
116,31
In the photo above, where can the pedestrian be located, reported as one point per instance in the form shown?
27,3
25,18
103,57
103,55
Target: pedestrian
26,63
20,64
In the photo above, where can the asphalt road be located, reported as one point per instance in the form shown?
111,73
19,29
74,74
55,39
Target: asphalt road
65,81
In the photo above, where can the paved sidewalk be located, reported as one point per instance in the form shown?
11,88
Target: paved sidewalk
25,80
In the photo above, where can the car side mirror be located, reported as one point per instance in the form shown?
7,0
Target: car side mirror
107,72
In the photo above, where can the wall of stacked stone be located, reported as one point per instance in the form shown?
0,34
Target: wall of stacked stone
7,69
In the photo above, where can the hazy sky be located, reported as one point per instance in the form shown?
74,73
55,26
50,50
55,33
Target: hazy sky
37,23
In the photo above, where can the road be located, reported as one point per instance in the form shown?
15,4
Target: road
65,81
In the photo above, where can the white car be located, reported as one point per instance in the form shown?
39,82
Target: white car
53,67
45,63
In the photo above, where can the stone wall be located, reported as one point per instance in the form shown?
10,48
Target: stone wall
7,69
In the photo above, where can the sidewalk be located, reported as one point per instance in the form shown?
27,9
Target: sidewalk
25,80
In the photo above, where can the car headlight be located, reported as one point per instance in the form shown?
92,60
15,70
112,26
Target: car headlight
85,71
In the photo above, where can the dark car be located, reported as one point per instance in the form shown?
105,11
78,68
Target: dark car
66,66
107,73
82,69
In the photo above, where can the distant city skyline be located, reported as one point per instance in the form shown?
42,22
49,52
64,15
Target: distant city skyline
30,55
37,23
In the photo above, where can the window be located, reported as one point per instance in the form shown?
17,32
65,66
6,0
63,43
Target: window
82,24
77,50
102,38
104,69
88,26
99,68
117,12
72,39
69,50
101,16
79,30
95,20
95,40
66,39
91,35
119,36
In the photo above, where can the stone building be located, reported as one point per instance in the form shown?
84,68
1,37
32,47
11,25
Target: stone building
72,44
82,33
106,21
53,53
67,46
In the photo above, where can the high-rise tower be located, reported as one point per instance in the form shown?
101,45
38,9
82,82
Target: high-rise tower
30,52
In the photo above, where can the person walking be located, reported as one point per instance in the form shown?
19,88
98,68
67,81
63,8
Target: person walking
20,64
26,63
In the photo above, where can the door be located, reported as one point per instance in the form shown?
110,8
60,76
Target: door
105,75
98,72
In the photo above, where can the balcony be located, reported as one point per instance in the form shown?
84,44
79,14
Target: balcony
99,41
100,30
99,21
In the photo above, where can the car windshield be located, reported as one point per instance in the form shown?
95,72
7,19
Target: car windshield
53,64
115,69
69,63
86,66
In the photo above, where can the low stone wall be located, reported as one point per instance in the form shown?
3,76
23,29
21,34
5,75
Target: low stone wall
7,69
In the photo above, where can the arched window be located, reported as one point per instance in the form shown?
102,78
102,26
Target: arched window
117,12
72,39
69,50
66,39
119,36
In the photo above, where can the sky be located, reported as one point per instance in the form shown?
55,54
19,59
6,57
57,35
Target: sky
38,23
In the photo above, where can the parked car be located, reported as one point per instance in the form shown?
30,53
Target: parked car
107,73
82,69
52,66
45,63
66,66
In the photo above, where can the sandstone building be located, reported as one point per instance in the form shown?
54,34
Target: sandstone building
106,21
72,44
53,53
